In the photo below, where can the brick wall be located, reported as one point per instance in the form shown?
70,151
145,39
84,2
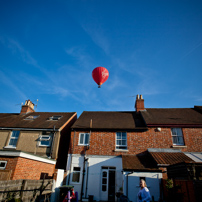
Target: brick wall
103,143
23,168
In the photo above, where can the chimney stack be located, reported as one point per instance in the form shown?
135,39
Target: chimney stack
139,104
27,107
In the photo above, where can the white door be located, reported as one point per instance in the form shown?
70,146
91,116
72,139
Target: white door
108,183
104,184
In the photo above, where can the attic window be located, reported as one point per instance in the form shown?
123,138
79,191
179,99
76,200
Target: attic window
55,118
31,117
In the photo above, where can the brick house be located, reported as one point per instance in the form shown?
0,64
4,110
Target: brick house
111,151
33,144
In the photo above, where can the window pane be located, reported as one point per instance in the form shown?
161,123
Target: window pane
118,142
104,174
15,134
77,169
87,138
81,138
118,135
124,136
104,180
174,140
123,142
104,187
13,142
45,143
75,177
2,164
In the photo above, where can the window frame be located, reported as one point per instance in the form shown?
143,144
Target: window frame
41,139
55,117
178,135
13,138
3,168
76,172
121,139
84,139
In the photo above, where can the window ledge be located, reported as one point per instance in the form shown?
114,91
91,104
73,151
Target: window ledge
9,147
121,150
180,146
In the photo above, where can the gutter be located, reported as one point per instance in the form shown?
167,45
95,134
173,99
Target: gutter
31,129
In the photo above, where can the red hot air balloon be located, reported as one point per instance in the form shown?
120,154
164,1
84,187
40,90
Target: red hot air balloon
100,75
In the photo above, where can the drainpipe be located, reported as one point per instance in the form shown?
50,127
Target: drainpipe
84,162
127,183
87,180
84,172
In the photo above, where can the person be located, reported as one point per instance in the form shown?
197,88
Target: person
73,196
143,194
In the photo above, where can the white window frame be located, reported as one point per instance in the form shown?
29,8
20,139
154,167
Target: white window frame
177,134
75,172
55,117
3,168
121,139
42,138
13,138
84,138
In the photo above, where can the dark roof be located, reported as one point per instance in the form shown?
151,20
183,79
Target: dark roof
41,122
138,162
169,158
110,120
175,116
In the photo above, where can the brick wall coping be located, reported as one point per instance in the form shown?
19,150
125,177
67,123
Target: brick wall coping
28,156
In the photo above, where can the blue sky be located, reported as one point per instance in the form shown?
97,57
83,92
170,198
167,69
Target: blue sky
48,50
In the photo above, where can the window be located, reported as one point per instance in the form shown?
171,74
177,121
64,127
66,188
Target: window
14,138
45,139
3,165
83,138
121,140
31,117
177,136
76,174
55,117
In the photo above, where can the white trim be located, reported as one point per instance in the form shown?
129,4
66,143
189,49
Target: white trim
28,156
84,138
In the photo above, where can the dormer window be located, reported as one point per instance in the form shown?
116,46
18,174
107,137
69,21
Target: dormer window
55,117
31,117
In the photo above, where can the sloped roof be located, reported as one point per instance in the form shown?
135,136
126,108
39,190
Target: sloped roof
41,122
109,120
172,116
138,162
169,158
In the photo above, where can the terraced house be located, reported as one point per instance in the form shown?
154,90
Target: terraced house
33,144
111,151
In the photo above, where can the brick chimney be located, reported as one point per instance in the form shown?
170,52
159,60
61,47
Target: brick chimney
139,104
27,107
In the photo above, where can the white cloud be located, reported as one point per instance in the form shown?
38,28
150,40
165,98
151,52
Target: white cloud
8,82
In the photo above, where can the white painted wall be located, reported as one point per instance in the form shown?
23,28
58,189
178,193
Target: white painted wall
152,181
94,173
